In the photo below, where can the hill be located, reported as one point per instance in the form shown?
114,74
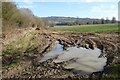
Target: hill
61,21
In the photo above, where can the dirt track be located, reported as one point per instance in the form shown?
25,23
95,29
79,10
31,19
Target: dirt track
107,42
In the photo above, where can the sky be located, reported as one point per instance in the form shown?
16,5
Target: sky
72,8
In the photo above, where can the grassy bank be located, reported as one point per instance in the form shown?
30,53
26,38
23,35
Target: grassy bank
15,49
89,28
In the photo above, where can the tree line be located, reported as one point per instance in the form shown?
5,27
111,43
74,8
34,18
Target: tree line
78,22
69,21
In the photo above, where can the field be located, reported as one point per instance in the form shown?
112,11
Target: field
20,57
30,49
89,28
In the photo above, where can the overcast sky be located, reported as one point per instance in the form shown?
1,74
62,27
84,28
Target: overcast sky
72,8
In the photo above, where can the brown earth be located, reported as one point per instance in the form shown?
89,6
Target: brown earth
28,67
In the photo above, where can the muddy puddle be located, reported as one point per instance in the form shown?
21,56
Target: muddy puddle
56,50
79,60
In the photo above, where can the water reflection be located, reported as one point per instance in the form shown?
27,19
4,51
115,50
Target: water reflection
56,50
81,60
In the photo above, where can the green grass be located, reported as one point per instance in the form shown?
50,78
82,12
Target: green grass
29,41
32,32
89,28
113,72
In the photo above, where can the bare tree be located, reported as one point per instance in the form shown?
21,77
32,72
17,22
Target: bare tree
102,21
113,20
107,20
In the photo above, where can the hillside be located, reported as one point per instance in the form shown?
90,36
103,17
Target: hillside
75,20
14,17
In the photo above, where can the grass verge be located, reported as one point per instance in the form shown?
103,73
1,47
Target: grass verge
13,50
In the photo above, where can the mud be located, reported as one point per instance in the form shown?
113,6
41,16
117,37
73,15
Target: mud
107,42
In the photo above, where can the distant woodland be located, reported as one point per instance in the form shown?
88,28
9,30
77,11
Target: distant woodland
70,21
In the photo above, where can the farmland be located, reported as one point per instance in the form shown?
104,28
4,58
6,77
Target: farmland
77,49
89,28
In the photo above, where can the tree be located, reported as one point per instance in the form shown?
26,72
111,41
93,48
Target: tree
14,17
93,22
102,21
51,23
107,20
77,22
8,9
87,23
70,23
113,20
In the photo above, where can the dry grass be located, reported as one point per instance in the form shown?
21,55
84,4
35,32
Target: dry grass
21,40
14,34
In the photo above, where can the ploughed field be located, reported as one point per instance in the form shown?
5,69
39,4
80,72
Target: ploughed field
25,61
